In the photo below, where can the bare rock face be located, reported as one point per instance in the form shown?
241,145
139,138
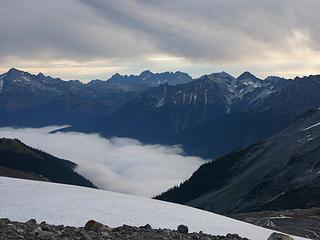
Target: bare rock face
279,236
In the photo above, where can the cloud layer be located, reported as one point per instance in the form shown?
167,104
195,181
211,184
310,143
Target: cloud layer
118,164
125,35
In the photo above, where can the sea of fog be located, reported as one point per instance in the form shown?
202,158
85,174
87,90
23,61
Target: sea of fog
116,164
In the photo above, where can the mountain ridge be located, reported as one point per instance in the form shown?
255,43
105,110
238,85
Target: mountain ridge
28,162
162,114
218,105
273,174
38,100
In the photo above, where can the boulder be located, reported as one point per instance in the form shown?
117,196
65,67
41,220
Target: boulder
95,226
279,236
183,229
147,227
31,222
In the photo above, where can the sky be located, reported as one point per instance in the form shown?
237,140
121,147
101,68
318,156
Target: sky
90,39
117,164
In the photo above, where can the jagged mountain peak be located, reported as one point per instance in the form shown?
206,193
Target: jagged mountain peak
13,72
247,75
40,75
223,78
16,75
116,75
222,74
146,73
303,77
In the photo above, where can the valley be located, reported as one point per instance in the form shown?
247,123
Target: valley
159,120
256,154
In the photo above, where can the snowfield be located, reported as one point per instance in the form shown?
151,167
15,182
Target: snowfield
21,200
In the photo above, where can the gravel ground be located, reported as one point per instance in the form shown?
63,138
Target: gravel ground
298,222
31,230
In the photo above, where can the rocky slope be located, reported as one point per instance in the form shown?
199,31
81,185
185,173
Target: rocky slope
299,222
278,173
251,118
96,231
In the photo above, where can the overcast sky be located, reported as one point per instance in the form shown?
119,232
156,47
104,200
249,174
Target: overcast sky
86,39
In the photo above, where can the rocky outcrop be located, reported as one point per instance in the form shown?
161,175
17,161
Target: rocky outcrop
279,236
279,173
95,231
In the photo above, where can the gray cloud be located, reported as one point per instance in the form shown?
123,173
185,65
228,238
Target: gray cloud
243,32
53,29
118,164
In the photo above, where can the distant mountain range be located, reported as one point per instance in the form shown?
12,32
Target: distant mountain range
38,100
21,161
209,116
282,172
212,115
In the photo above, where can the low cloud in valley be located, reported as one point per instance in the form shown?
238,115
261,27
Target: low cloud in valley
117,164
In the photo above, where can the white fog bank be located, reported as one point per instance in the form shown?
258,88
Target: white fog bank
117,164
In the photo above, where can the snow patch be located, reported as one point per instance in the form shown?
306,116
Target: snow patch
194,97
185,96
160,103
206,97
310,138
190,98
22,78
21,200
25,78
265,93
312,126
280,217
1,85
